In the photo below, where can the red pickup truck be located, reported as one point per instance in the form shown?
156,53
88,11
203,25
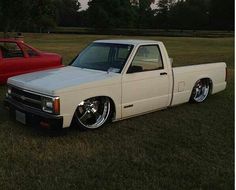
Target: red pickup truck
17,58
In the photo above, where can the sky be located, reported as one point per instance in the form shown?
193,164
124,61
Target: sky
84,4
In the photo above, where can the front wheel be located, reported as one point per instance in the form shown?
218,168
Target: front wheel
93,113
200,91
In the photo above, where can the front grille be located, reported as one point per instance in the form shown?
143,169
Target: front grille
26,98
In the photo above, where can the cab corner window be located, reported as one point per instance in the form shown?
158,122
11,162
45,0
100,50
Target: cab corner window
147,58
10,50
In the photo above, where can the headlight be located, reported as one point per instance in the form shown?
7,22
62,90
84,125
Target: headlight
8,93
51,105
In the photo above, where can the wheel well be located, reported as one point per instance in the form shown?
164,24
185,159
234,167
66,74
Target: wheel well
113,107
210,84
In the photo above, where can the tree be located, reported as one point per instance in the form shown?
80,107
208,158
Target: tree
10,14
163,13
222,14
183,14
1,11
67,12
27,15
110,14
144,13
43,14
83,18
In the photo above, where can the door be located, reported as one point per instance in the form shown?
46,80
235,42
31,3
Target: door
145,86
12,59
33,61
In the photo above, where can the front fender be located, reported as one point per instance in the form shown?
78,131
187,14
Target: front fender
70,101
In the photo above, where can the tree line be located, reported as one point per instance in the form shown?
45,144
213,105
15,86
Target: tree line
43,15
37,15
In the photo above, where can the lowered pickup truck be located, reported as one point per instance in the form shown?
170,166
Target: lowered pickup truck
109,81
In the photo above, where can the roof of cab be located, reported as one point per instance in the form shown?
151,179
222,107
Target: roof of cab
128,41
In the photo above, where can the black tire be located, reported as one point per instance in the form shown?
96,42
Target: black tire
93,113
201,91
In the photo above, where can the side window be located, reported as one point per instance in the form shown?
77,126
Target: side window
29,51
147,58
10,50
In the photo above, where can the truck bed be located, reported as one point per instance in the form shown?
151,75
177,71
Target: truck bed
186,76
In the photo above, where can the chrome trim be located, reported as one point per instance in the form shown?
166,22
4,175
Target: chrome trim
25,105
24,98
32,92
91,110
30,100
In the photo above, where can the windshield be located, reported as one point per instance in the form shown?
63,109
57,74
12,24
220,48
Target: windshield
104,57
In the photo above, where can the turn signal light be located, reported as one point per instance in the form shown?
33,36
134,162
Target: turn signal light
56,106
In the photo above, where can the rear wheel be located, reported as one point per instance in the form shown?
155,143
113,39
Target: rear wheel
200,91
93,113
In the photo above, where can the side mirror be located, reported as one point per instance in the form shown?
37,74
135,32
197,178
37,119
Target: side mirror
171,61
135,69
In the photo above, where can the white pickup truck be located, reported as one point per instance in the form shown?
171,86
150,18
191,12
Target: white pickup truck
110,80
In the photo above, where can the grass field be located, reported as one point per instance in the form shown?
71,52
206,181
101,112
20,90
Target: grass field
185,147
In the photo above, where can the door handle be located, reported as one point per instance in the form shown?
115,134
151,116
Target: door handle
163,73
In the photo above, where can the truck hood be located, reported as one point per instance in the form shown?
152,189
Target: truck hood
54,81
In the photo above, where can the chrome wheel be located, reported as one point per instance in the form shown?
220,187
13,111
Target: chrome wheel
201,91
93,113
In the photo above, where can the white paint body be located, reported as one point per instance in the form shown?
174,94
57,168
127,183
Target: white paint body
146,91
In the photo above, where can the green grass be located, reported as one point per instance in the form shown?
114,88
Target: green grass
186,147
